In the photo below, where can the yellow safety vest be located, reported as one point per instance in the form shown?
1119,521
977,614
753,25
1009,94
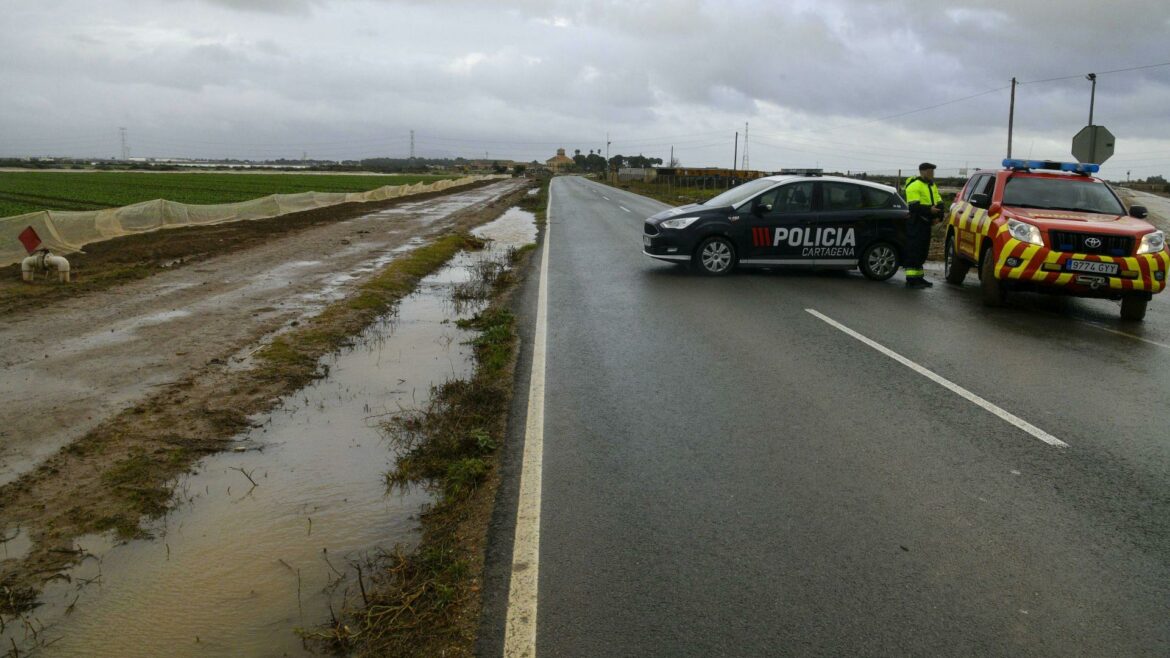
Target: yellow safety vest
920,191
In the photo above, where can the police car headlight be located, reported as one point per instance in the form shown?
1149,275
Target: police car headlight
1152,243
1025,232
678,222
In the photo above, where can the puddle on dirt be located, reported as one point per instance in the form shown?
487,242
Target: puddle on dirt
429,210
236,568
120,333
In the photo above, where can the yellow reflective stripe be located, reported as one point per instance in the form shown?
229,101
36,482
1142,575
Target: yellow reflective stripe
1133,265
981,222
1005,252
914,273
965,218
1029,252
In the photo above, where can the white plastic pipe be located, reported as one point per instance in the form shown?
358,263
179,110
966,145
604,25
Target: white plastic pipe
42,261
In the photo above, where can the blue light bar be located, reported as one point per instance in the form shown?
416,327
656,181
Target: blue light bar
1074,167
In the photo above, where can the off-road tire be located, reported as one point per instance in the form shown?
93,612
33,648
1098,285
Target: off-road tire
955,266
1133,309
879,261
714,256
994,291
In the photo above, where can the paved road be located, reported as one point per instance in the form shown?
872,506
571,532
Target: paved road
726,473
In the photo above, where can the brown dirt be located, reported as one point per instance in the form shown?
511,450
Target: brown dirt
136,382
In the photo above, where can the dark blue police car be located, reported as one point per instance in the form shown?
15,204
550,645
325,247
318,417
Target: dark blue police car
806,220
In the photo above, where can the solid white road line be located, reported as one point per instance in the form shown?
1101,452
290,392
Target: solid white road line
520,629
1127,335
624,208
946,383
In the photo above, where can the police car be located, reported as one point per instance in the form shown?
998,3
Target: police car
801,220
1052,227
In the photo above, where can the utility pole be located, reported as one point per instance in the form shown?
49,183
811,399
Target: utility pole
670,163
412,145
1011,117
125,150
745,147
608,176
735,154
1092,77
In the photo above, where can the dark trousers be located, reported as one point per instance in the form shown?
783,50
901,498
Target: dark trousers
917,246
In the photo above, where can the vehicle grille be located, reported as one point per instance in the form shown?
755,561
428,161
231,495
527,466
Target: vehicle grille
650,229
1111,245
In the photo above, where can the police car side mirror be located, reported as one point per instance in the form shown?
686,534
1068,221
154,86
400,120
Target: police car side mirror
758,209
981,201
1139,212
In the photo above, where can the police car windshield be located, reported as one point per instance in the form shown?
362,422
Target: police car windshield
1079,195
738,195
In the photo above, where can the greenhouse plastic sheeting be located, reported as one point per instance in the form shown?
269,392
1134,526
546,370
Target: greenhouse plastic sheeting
65,232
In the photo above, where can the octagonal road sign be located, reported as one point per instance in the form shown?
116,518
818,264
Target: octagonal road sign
1093,144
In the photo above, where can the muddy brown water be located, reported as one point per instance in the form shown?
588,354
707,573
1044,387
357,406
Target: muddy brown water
236,568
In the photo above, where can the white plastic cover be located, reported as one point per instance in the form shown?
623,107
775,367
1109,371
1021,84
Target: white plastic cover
65,232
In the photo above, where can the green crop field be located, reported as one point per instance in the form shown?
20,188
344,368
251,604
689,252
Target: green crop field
22,192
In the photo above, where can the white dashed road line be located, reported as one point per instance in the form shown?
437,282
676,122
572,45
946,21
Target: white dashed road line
520,627
946,383
624,208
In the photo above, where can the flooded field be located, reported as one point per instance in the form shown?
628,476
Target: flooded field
263,538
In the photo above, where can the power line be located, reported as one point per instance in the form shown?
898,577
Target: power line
1071,77
921,109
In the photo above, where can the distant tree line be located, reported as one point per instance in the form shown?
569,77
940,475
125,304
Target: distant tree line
594,162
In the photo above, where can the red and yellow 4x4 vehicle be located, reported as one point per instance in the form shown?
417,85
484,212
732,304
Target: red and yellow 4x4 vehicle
1051,227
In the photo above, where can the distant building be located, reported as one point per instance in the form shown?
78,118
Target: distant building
559,160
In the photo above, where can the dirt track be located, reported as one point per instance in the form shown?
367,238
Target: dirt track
83,360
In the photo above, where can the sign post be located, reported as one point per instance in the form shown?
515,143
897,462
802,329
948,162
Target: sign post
1093,144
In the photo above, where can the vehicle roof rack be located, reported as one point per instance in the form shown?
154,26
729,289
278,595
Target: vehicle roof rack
1082,168
801,172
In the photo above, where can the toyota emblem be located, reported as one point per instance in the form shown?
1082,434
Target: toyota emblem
1093,243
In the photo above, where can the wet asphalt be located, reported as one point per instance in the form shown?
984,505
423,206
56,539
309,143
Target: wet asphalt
726,474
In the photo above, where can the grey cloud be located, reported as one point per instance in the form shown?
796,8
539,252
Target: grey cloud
270,76
287,7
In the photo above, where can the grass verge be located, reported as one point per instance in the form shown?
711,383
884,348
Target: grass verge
427,602
293,357
537,204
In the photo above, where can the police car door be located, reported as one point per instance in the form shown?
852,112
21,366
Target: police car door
848,220
779,221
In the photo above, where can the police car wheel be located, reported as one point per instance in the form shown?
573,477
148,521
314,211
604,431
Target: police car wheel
715,256
879,261
1133,309
955,267
994,293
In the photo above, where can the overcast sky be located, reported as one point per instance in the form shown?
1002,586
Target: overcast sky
833,83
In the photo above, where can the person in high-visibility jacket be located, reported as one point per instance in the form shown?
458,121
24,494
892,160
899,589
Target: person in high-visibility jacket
926,209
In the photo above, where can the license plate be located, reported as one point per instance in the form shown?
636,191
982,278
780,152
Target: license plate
646,241
1092,266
